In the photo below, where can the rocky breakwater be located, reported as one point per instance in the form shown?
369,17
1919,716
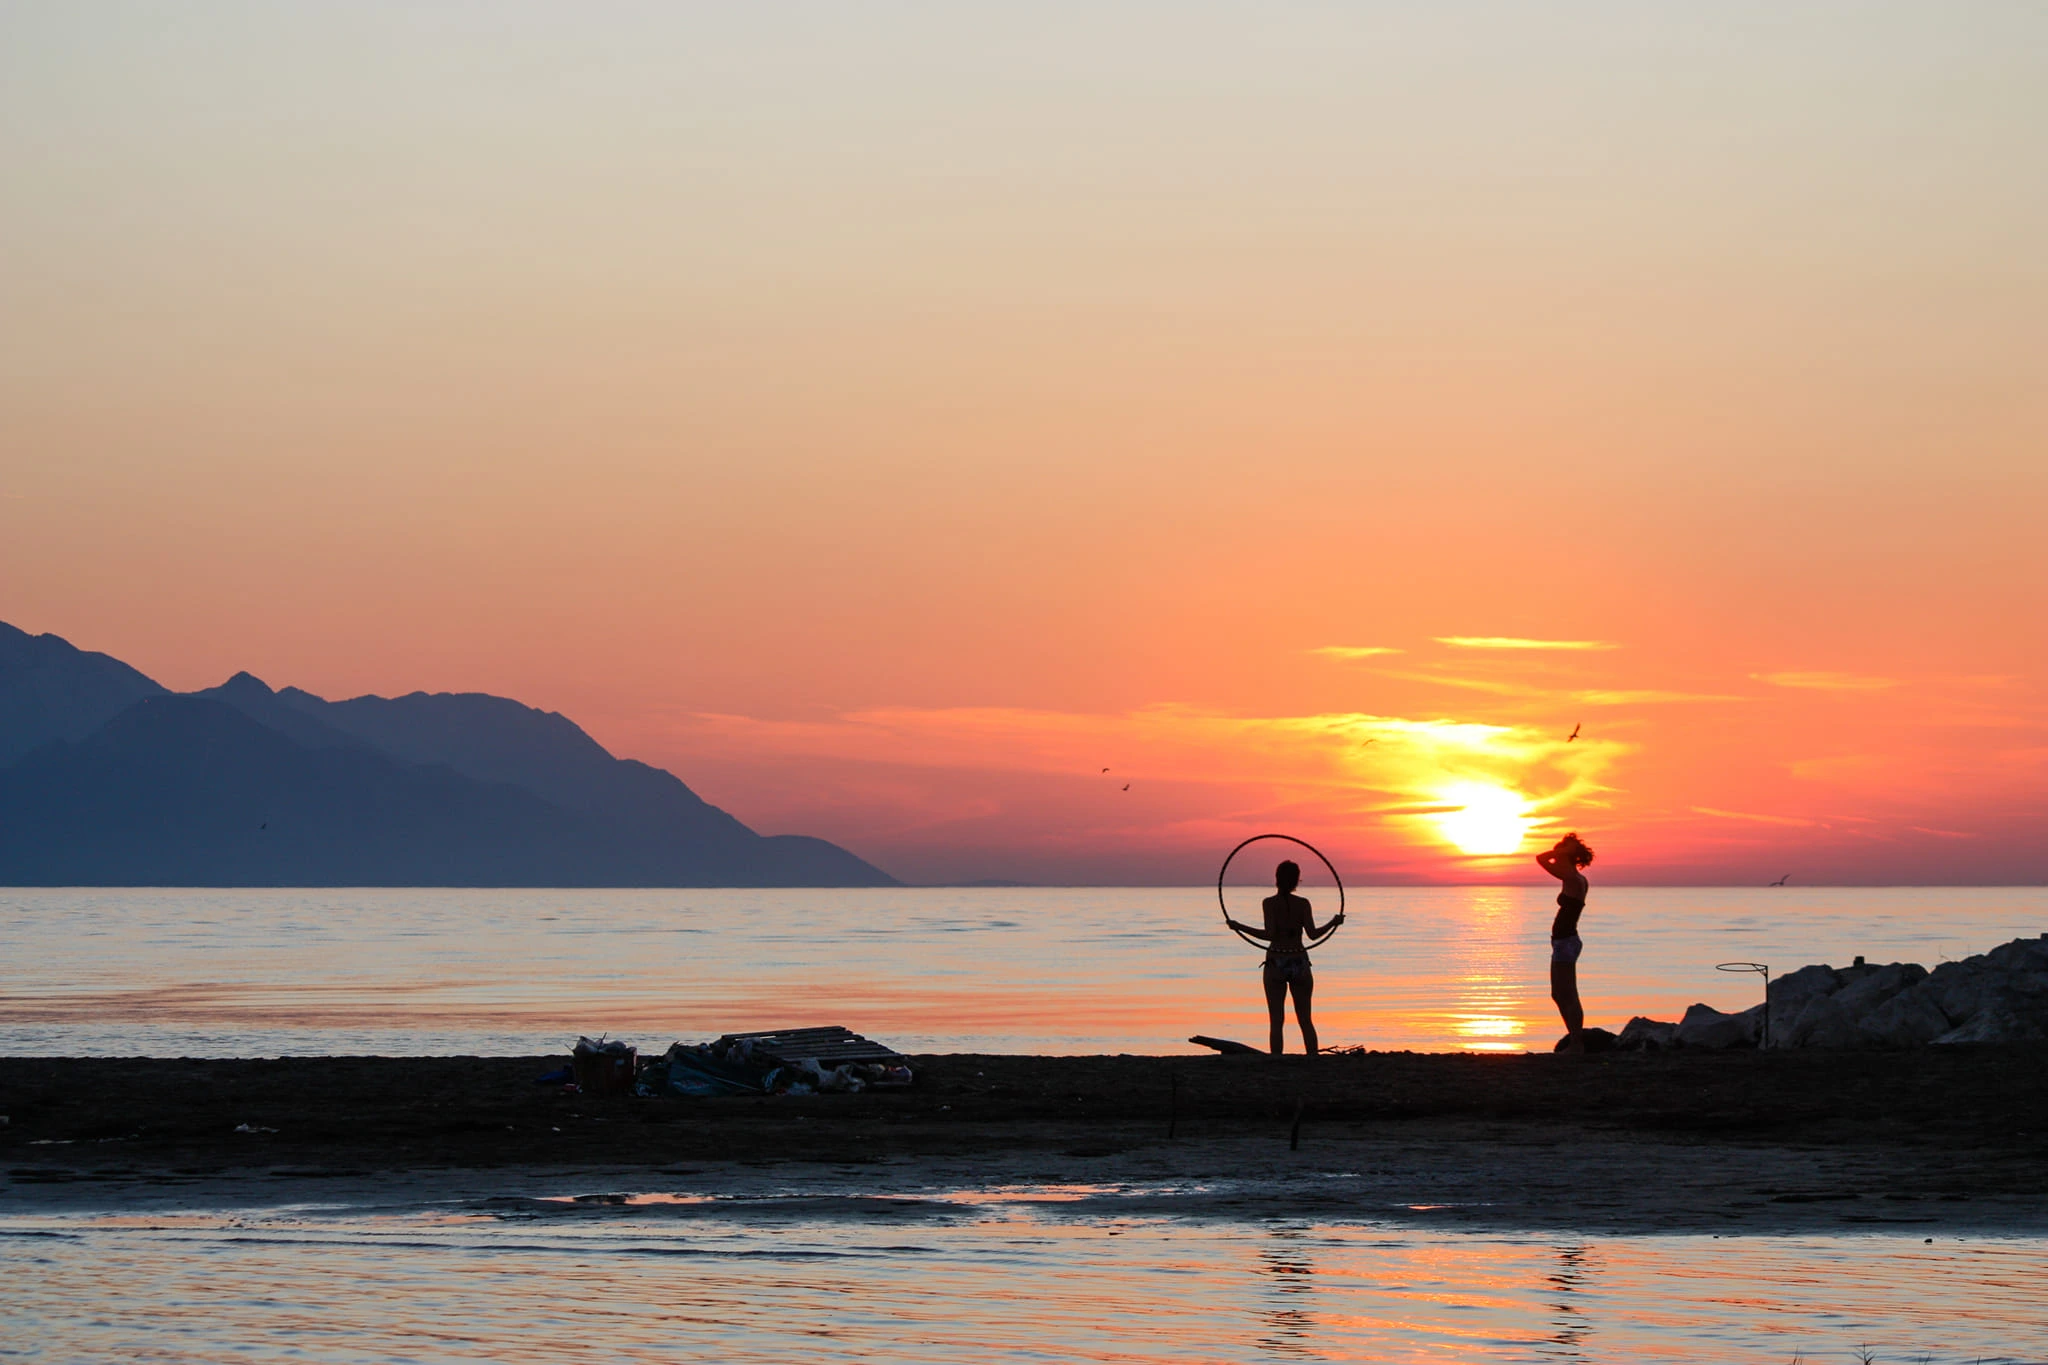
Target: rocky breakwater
1995,997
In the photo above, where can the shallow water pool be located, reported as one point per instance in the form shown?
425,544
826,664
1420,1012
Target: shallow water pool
1053,1273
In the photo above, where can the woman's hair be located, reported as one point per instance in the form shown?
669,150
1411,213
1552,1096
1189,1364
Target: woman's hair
1573,847
1287,876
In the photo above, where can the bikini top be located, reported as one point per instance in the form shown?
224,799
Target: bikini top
1567,922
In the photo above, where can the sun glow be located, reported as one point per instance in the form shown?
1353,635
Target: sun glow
1487,819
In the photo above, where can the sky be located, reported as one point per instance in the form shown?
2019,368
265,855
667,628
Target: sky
889,417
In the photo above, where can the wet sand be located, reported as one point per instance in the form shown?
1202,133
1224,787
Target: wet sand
1925,1142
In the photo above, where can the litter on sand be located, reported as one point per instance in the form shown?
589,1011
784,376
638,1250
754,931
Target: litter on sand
604,1067
811,1061
805,1061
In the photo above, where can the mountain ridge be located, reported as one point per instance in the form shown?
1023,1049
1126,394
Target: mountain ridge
50,689
241,784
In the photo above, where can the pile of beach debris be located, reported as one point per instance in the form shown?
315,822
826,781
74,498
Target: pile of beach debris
809,1061
1995,997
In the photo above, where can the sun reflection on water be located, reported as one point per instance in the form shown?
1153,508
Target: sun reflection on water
1491,1010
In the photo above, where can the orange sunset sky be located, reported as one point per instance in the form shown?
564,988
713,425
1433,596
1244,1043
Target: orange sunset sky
886,417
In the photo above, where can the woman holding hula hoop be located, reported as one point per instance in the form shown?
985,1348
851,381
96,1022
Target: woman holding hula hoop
1288,918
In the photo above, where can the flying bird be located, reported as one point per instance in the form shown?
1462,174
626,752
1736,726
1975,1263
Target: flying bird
1575,733
1127,786
264,825
1105,770
1782,880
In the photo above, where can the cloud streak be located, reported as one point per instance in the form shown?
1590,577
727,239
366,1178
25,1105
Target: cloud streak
1492,686
1355,651
1827,682
1644,696
1520,643
1752,818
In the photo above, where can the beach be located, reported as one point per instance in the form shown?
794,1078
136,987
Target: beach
1679,1142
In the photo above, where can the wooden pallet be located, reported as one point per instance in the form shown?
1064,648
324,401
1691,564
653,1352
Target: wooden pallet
826,1046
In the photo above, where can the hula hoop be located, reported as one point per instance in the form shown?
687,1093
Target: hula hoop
1225,870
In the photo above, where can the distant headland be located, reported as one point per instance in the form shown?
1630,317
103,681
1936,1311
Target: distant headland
107,778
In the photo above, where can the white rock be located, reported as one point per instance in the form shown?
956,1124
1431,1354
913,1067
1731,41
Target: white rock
1705,1026
1961,988
2001,1022
1998,996
1824,1023
1647,1035
2020,955
1791,993
1875,985
1908,1019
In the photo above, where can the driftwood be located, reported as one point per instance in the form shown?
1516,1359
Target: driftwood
1223,1045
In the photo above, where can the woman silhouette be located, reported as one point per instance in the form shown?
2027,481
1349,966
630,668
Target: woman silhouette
1288,918
1564,861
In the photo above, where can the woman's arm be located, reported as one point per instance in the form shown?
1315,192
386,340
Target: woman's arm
1247,929
1308,921
1549,861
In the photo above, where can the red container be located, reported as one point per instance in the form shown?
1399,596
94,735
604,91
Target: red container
606,1073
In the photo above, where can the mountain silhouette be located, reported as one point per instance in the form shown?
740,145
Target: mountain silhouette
240,785
50,690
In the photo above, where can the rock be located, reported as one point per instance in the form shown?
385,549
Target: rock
1908,1019
1960,989
2020,955
1705,1026
1823,1023
1791,993
1999,996
1875,985
1987,1005
1805,1013
1647,1035
1590,1039
2001,1022
1753,1021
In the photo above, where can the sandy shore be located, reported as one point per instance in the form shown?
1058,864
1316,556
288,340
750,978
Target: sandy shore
1927,1141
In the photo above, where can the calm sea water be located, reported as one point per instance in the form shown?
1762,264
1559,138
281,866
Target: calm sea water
967,1275
267,973
956,1274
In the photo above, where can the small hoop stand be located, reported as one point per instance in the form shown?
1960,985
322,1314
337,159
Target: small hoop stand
1764,971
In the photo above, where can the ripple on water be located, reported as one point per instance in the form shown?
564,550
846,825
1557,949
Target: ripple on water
997,1273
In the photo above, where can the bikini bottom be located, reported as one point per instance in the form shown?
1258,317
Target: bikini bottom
1292,968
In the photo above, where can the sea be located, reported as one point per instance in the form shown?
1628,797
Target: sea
850,1267
268,973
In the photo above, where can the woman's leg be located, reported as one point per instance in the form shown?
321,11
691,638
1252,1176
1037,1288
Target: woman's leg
1304,987
1564,989
1276,1004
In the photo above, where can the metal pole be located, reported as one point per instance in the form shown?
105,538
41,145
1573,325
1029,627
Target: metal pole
1763,970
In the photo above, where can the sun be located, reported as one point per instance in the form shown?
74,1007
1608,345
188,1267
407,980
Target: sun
1488,819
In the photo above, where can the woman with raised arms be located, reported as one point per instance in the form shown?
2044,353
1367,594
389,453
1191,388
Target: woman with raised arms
1288,919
